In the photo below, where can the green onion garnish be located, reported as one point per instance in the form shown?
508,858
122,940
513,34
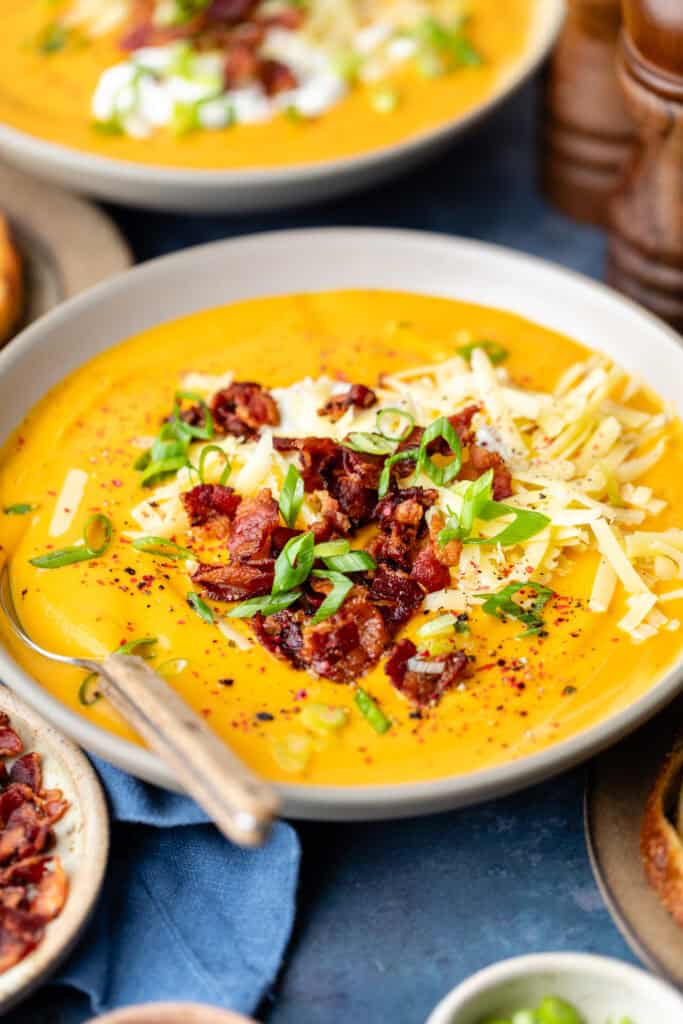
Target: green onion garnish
502,606
341,585
386,419
475,496
372,712
206,451
384,100
442,624
158,470
440,475
162,547
294,563
331,547
83,552
198,605
268,605
526,524
20,509
385,477
496,353
87,694
292,496
370,444
53,38
143,460
351,561
206,430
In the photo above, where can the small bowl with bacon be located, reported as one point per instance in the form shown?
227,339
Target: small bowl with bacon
54,840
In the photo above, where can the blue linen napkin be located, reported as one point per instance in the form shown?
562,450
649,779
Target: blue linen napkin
183,914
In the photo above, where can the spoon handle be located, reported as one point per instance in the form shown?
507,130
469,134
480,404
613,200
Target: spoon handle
239,803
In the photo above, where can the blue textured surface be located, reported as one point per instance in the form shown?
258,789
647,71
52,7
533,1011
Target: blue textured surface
392,915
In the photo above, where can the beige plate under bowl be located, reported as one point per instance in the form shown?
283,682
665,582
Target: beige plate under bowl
172,1013
82,843
314,260
240,191
66,244
618,787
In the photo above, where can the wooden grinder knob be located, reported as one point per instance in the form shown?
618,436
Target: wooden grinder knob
645,249
587,133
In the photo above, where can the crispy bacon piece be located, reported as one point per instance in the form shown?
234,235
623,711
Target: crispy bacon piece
424,687
10,744
230,11
480,460
211,503
241,65
429,571
332,523
28,771
357,397
281,634
243,408
448,554
343,647
52,891
290,18
235,581
317,456
276,77
401,520
252,529
396,594
353,480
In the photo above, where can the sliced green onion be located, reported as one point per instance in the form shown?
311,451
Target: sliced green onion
157,471
268,605
162,547
387,417
143,460
496,353
206,430
372,712
385,476
53,38
474,495
86,551
184,119
341,585
292,496
440,475
323,719
526,524
172,667
385,100
370,444
199,605
132,645
331,547
502,606
442,624
449,42
347,64
20,509
205,452
87,693
294,563
352,561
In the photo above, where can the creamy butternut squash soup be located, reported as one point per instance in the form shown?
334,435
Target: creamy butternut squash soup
373,537
251,83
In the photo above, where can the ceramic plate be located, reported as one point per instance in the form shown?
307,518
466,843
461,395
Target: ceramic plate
617,791
66,245
301,261
82,844
242,191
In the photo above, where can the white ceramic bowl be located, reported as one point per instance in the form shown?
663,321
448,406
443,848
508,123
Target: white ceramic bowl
315,260
228,191
605,991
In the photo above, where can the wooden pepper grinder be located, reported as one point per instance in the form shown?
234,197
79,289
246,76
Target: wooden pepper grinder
587,133
645,249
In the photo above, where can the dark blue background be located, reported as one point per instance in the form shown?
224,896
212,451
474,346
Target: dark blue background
392,915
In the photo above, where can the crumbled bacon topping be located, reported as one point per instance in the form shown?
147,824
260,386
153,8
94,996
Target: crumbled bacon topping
343,647
255,521
357,397
243,408
317,456
235,582
33,884
400,517
481,459
422,685
210,503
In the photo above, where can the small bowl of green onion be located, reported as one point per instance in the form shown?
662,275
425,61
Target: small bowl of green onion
560,988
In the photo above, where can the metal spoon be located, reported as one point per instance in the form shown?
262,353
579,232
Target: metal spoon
240,804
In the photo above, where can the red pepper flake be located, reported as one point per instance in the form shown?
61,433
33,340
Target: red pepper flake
117,483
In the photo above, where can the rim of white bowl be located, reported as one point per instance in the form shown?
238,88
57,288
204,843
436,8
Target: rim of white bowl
616,972
320,802
550,15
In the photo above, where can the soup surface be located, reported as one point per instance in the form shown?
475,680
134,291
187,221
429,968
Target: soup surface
520,694
49,95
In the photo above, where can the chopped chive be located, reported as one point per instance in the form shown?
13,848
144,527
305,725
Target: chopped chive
386,417
162,547
200,607
372,712
206,451
292,496
267,605
20,509
496,353
341,585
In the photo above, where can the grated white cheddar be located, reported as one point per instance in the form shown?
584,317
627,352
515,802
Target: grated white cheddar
68,501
